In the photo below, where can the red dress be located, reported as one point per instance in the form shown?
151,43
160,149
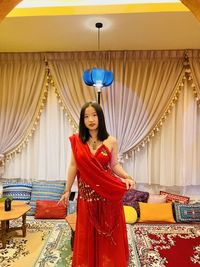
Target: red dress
100,236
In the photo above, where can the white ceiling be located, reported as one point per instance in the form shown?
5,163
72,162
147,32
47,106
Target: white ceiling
134,31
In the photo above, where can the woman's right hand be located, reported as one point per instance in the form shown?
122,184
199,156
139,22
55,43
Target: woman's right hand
65,198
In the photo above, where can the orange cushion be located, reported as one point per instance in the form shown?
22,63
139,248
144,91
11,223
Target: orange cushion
159,212
50,209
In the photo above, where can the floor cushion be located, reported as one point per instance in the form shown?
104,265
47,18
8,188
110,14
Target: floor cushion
132,197
20,191
159,212
45,191
50,209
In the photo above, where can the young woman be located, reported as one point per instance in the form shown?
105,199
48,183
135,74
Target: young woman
100,236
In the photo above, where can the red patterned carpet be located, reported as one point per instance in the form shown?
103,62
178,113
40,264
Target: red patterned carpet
169,245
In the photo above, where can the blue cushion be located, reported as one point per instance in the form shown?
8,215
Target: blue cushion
187,212
45,191
17,191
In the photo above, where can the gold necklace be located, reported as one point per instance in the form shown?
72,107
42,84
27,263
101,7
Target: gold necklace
94,144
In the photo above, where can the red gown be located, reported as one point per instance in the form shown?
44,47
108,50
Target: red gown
97,244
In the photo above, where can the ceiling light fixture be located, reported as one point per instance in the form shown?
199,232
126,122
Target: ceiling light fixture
98,78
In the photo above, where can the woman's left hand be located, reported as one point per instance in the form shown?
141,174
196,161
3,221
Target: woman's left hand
130,183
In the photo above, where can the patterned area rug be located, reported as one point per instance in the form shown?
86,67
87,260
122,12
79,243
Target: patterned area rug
47,244
170,245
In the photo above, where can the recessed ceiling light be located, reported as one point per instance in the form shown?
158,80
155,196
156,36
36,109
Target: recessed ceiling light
90,23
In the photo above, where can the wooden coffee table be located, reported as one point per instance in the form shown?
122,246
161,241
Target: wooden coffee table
18,209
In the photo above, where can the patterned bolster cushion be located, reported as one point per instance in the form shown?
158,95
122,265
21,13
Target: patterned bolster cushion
187,212
17,191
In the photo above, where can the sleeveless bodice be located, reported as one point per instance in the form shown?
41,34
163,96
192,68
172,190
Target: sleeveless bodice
103,155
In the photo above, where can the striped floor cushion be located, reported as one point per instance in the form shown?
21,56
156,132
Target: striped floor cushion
18,191
45,191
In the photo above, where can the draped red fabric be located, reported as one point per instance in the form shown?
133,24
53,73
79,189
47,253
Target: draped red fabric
100,226
93,173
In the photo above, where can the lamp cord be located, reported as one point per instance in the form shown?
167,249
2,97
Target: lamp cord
98,39
99,25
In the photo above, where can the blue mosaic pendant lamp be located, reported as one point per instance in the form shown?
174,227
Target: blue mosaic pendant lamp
96,77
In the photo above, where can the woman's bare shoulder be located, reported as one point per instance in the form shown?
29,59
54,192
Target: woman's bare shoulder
111,143
112,140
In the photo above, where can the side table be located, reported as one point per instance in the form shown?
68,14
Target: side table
18,209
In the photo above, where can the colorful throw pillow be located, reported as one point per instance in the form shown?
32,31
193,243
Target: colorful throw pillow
157,199
175,198
50,209
45,191
132,197
161,212
18,191
187,212
130,214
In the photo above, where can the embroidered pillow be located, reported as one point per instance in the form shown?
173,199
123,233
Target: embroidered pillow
160,212
50,209
132,197
157,199
18,191
187,212
45,191
175,198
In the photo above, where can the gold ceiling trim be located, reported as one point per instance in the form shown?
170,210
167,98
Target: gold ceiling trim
103,9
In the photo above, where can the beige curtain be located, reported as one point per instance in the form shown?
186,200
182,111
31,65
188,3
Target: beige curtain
144,85
143,79
22,88
171,160
178,144
47,153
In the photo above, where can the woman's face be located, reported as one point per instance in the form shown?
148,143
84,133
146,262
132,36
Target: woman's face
91,118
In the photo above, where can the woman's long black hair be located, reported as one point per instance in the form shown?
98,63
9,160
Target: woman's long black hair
83,130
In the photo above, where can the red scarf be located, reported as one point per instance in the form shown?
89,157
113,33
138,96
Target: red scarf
103,214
